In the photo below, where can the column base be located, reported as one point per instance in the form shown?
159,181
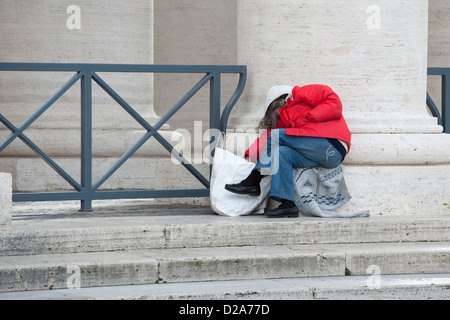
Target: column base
105,142
395,190
388,173
5,198
139,173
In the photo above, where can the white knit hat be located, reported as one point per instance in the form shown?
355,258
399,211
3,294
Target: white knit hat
275,92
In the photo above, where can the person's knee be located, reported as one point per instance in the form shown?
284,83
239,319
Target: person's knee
285,152
332,158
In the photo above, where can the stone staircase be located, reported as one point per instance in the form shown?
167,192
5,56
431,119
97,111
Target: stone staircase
183,252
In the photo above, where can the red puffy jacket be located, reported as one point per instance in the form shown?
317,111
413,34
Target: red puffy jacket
314,111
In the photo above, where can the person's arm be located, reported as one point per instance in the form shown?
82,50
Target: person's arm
252,154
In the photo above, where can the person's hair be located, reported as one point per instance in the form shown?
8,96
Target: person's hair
269,121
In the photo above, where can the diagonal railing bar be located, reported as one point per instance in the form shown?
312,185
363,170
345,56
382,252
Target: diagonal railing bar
86,191
151,130
137,116
434,110
42,154
18,132
183,101
41,110
116,97
15,132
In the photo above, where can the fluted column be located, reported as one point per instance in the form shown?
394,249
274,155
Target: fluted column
104,31
90,32
378,67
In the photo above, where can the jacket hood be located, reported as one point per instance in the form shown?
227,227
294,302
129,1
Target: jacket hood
275,92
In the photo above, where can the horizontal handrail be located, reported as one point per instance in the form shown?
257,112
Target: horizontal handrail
87,190
135,68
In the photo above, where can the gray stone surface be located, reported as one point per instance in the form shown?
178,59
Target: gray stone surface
143,224
398,287
128,249
5,198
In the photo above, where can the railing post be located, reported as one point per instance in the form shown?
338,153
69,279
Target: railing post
445,103
214,119
86,141
214,113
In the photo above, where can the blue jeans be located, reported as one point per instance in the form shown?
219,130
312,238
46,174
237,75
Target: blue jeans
283,153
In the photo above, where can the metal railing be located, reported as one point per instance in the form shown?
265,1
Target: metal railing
86,190
444,118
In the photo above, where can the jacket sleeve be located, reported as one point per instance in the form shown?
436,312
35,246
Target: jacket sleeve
255,149
325,102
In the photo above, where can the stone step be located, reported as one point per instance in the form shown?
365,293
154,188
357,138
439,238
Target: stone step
97,269
391,287
96,233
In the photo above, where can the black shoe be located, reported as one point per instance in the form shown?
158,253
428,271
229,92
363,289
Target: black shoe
240,189
249,185
286,209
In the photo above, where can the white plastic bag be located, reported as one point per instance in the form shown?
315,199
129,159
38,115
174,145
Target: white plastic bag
227,169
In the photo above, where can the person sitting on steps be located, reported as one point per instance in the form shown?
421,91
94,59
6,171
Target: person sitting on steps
305,128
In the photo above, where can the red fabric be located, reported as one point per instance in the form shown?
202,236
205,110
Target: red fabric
255,149
314,111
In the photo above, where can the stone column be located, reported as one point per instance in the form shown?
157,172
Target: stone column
53,31
374,55
58,32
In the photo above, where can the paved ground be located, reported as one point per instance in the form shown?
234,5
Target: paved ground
35,215
40,214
